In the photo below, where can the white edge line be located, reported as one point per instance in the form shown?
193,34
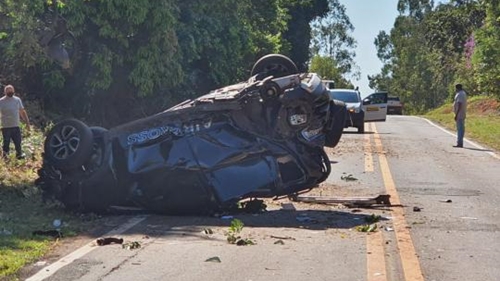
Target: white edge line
54,267
491,153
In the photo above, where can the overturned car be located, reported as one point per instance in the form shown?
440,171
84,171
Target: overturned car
260,138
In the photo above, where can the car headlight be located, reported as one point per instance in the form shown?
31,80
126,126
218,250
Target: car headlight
354,110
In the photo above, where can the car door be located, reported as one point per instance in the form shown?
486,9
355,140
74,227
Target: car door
375,107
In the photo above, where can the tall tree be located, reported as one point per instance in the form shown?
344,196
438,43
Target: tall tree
486,55
424,53
132,58
333,45
328,69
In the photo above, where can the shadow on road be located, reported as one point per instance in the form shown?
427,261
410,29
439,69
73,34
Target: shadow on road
365,133
478,149
157,225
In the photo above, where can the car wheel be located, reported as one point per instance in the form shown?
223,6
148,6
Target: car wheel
68,144
361,128
338,113
274,65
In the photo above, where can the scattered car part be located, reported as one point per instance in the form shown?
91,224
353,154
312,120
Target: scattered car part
383,199
349,177
213,259
109,240
131,245
367,228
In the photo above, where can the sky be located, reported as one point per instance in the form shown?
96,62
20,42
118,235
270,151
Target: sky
369,17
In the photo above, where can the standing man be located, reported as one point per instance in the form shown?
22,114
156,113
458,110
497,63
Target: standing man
11,108
460,109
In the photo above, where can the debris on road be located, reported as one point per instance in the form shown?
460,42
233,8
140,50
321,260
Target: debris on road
469,218
417,209
109,240
349,177
245,242
41,263
213,259
283,237
366,228
446,201
389,228
132,245
382,199
208,231
279,242
373,218
255,206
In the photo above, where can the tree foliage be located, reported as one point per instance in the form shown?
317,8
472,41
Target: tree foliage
431,48
332,46
131,58
486,50
327,68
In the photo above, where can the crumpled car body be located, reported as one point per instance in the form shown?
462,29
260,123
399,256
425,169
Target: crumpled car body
260,138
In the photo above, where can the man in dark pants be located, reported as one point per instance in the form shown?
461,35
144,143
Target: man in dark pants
11,110
460,110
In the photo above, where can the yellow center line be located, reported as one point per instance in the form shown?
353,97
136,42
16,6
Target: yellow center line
368,149
375,261
409,260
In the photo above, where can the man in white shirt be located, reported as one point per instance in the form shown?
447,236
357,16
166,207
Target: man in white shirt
460,110
11,110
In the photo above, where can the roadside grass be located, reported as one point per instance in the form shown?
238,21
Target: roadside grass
482,123
22,211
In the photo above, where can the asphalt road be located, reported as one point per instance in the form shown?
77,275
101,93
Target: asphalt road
443,224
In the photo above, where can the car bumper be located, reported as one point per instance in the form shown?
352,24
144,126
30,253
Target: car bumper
394,109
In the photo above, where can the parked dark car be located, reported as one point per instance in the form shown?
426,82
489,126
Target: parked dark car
263,137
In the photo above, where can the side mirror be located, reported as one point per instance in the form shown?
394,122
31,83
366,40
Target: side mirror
366,101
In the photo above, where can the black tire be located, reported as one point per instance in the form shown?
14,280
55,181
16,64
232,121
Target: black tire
274,65
68,145
361,128
339,114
